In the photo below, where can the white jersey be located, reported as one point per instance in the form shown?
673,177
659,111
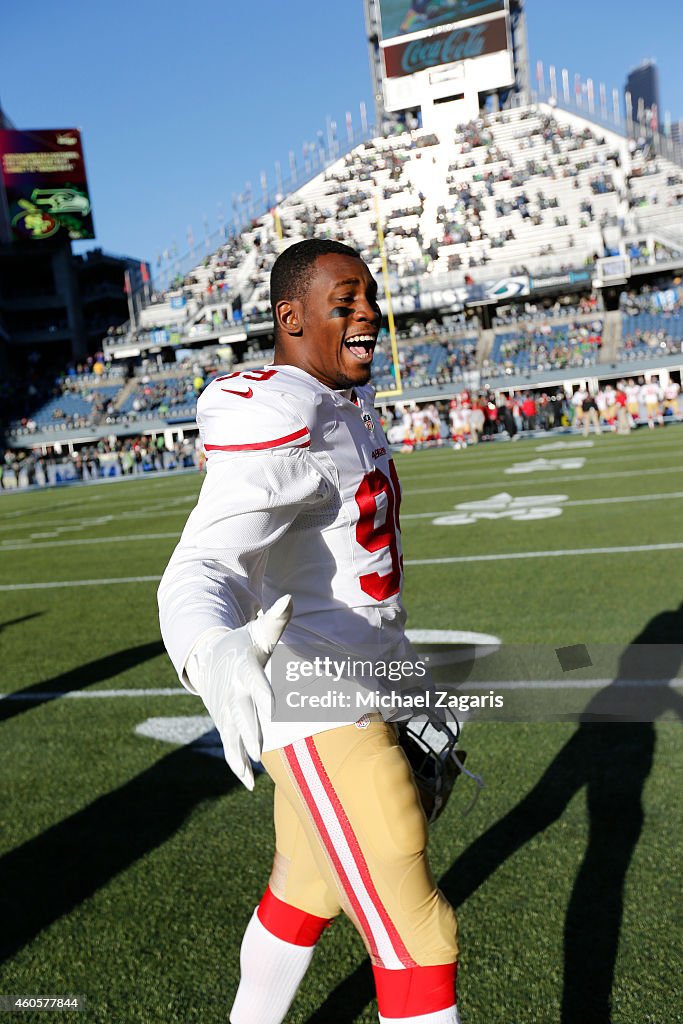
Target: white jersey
300,497
432,417
650,393
457,421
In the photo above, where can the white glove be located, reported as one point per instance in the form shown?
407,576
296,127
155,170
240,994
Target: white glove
227,673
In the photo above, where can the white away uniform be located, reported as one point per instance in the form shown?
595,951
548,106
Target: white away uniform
301,497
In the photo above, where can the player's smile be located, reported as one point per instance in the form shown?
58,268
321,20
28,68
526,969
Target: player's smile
361,346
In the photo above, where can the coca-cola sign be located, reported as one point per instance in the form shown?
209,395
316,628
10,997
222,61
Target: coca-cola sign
445,48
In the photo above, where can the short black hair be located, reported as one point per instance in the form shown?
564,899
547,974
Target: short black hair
291,273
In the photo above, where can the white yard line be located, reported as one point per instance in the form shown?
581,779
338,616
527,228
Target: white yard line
589,459
501,557
563,553
493,684
32,545
518,453
167,691
566,504
577,477
526,481
55,584
567,684
168,508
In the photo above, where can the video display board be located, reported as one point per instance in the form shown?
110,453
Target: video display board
400,17
43,174
446,47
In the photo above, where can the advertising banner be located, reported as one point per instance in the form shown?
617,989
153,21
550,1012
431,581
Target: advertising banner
445,48
43,174
399,17
499,290
540,282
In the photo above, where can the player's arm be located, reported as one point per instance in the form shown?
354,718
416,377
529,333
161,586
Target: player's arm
209,596
260,477
215,575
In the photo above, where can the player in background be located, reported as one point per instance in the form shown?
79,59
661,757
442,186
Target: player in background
607,406
301,498
651,396
623,419
408,435
466,413
577,401
420,426
433,425
457,423
671,396
633,400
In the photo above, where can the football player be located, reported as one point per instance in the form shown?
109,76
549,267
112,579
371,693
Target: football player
671,393
301,498
651,395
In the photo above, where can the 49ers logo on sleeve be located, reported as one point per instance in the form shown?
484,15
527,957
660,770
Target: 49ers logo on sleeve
377,489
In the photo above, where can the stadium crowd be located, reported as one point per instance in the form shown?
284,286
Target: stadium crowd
515,192
108,458
518,192
469,418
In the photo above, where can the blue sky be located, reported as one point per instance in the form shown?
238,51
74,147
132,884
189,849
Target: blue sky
180,104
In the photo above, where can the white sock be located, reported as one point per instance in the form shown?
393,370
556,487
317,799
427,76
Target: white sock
448,1016
271,972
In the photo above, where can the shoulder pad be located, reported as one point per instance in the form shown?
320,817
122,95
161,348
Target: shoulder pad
249,411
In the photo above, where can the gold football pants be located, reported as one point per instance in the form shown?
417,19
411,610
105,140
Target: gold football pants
351,835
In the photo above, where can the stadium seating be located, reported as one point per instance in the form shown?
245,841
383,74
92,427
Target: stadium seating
545,346
647,334
523,191
77,400
527,190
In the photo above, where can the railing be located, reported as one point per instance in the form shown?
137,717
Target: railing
253,207
628,127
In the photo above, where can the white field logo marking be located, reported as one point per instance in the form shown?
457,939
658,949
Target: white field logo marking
545,465
185,730
504,506
557,446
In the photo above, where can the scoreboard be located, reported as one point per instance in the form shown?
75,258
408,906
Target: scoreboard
440,56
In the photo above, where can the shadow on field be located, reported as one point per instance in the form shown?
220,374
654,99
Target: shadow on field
24,618
77,678
613,760
51,875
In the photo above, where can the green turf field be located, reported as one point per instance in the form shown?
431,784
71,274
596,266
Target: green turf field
130,866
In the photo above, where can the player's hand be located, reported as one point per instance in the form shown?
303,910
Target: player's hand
234,687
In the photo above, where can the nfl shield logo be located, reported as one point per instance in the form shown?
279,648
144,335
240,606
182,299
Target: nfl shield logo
368,421
363,722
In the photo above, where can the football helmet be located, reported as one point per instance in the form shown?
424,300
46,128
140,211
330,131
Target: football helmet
430,746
